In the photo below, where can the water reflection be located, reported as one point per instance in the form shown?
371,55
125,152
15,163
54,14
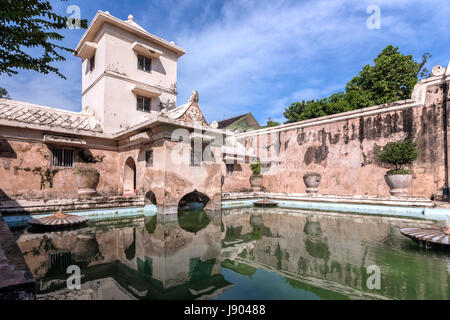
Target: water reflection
237,254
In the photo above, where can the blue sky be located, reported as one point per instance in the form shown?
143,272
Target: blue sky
258,56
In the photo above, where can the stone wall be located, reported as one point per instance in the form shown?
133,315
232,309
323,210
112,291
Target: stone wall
341,148
27,173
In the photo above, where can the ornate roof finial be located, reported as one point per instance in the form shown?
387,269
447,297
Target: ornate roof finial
194,97
130,17
214,125
438,71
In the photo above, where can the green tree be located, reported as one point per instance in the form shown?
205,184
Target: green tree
391,78
271,123
4,93
398,154
31,24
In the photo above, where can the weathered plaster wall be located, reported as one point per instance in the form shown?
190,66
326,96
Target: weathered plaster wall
171,176
26,171
343,151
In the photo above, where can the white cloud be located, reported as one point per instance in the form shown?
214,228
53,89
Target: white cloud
261,55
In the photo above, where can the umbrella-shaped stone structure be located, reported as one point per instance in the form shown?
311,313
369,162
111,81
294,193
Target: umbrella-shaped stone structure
58,220
425,236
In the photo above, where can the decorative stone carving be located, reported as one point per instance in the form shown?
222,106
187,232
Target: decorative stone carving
194,97
141,137
168,104
194,114
438,71
214,125
62,139
163,113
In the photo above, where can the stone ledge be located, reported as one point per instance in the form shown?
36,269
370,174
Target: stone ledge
421,202
13,207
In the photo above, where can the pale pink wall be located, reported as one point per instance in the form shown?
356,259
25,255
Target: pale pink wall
342,151
20,172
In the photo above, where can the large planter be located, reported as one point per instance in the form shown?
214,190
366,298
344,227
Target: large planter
312,182
86,181
398,184
256,182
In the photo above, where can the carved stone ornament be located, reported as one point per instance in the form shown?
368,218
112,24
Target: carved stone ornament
214,125
194,97
437,71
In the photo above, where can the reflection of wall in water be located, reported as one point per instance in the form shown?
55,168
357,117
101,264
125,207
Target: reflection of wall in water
339,249
168,254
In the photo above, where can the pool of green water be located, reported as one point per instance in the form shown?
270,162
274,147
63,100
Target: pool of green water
246,253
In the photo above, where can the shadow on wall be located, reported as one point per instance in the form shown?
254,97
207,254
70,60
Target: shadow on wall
7,201
6,151
9,206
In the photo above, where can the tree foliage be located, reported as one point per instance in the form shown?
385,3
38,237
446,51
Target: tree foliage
30,24
398,154
271,123
391,78
4,93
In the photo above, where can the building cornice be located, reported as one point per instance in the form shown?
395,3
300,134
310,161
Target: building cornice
112,74
103,17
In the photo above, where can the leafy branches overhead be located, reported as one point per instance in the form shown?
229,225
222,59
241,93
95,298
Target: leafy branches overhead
391,78
30,24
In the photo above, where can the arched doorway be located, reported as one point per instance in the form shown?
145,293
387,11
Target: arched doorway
150,198
129,178
191,216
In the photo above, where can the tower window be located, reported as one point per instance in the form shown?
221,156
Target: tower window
149,158
230,168
92,63
143,104
62,157
144,63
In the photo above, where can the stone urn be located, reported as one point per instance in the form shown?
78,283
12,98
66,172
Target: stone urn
86,180
256,181
312,181
398,184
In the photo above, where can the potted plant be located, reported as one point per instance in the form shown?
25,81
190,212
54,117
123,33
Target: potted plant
256,179
398,154
312,181
86,179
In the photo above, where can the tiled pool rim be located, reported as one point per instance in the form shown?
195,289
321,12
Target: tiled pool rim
427,213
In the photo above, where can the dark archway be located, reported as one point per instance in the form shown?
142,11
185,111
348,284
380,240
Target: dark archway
150,198
193,201
191,214
129,177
